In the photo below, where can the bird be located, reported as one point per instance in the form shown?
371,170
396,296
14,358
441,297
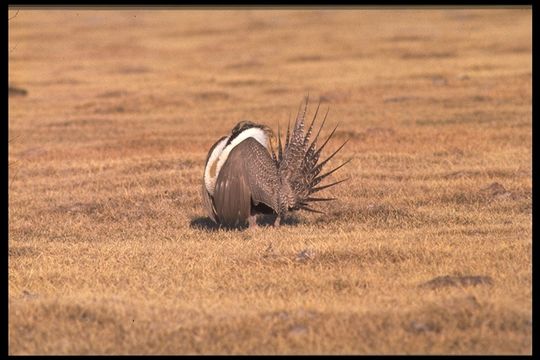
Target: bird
244,177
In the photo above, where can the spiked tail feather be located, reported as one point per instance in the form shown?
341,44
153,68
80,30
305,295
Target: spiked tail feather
307,208
321,177
309,199
320,166
319,188
308,132
299,166
287,138
280,147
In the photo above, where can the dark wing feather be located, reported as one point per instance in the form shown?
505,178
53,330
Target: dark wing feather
232,196
248,175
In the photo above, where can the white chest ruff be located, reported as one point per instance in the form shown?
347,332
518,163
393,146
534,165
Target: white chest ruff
221,153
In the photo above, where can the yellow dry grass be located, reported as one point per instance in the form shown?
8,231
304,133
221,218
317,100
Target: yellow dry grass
110,251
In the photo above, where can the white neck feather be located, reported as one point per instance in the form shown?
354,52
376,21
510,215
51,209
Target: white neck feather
221,153
209,181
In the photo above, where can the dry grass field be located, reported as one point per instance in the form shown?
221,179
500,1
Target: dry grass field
426,251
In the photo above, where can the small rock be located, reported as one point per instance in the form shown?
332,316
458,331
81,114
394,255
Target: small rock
296,330
304,255
419,327
28,295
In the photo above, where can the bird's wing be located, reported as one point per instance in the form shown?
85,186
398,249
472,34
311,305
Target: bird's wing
232,195
248,175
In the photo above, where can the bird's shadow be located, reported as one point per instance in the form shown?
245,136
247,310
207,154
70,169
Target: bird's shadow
204,223
207,224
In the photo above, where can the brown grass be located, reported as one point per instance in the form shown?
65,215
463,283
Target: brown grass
110,251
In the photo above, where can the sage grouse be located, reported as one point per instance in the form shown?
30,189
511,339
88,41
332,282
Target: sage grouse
244,177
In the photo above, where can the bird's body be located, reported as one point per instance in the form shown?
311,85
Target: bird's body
244,177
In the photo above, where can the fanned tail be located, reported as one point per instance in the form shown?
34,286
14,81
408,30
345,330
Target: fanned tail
299,165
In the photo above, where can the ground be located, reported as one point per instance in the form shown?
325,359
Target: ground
426,251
